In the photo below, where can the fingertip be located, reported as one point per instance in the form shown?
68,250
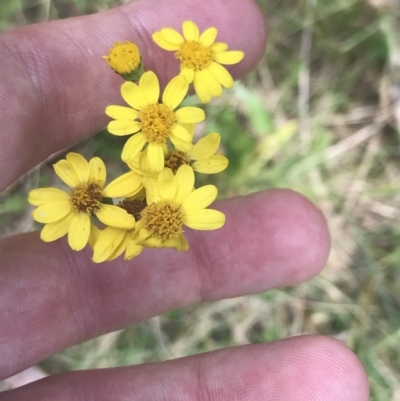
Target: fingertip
302,235
287,237
329,365
301,368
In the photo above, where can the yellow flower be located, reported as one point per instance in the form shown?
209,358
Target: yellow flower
201,158
171,204
124,58
112,242
153,122
70,212
200,57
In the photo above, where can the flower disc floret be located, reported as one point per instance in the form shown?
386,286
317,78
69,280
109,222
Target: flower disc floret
200,58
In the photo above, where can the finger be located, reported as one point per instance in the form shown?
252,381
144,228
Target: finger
55,85
51,297
297,369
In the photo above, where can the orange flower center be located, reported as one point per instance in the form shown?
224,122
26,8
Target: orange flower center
86,197
163,219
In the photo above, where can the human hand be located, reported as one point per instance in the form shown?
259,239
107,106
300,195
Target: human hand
54,88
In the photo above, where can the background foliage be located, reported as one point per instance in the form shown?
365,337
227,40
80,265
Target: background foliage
319,115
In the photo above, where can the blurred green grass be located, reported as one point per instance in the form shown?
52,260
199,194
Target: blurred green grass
319,116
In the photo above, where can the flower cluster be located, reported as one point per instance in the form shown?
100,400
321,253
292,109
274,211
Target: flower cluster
150,204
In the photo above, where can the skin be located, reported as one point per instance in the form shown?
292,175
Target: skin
54,88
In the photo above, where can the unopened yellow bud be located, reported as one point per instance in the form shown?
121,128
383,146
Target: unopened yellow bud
124,58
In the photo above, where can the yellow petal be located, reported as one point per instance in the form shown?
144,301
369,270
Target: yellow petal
212,165
128,184
123,127
120,249
166,184
141,195
64,171
200,198
159,39
172,36
143,235
190,31
155,157
214,88
152,196
52,212
188,73
144,163
54,231
79,165
190,115
230,57
115,216
189,128
134,163
107,243
133,146
79,231
179,243
133,95
205,147
94,235
201,88
150,87
221,74
132,250
152,242
204,219
219,47
207,38
175,91
141,163
122,113
181,138
98,171
40,196
185,183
